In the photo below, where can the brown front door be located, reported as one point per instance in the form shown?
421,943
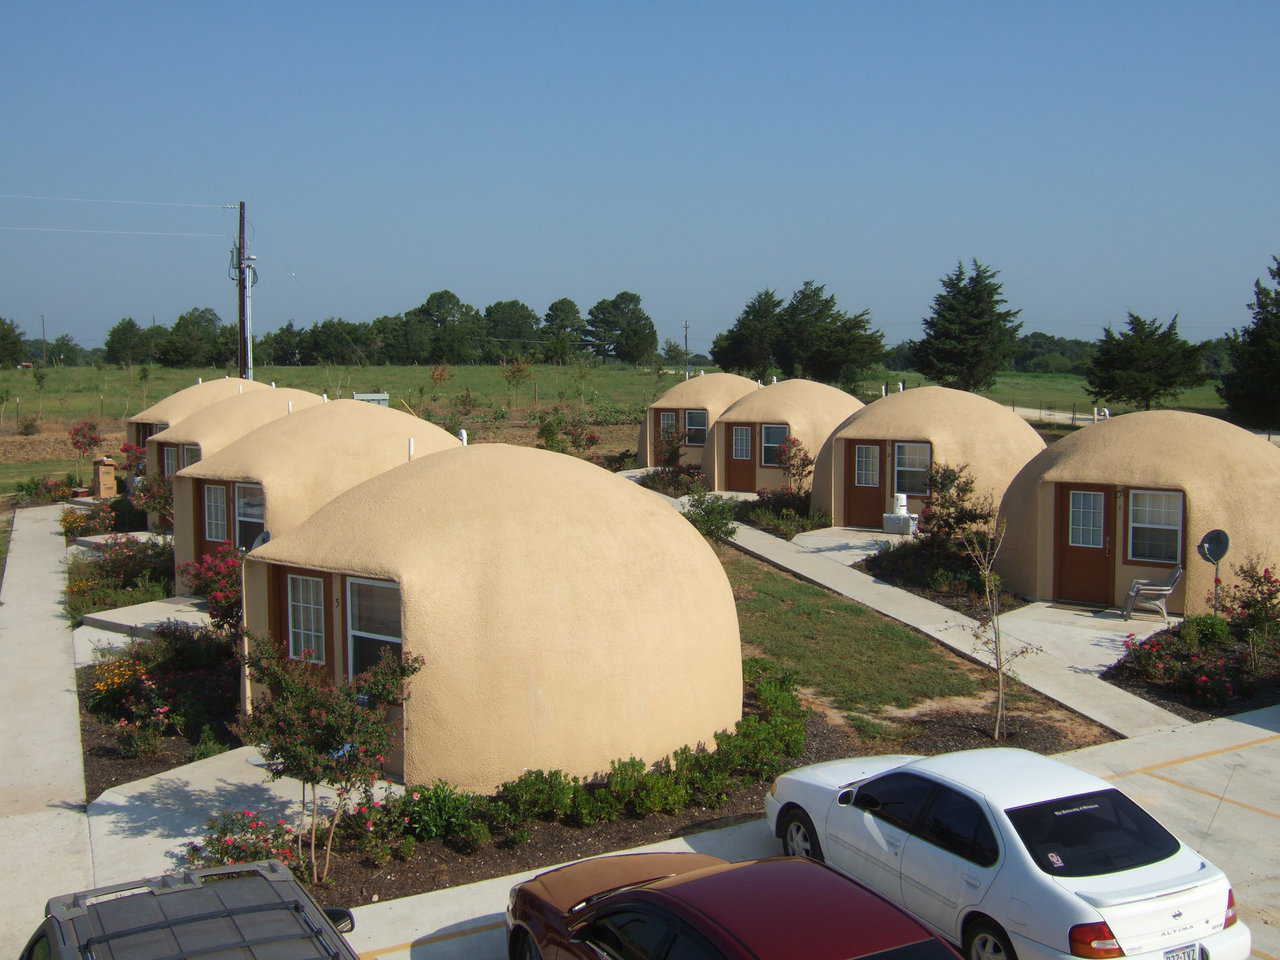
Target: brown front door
864,502
740,456
1084,543
665,422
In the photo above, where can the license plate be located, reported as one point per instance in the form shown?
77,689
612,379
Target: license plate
1190,952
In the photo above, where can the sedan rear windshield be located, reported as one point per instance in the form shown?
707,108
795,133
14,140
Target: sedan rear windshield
1090,834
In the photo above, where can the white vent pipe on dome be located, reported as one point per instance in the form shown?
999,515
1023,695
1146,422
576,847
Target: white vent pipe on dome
411,448
884,389
291,406
899,386
199,380
324,397
462,435
775,379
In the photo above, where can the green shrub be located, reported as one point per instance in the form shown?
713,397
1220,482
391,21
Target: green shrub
703,773
711,515
661,791
624,780
28,426
538,795
1205,629
435,812
590,807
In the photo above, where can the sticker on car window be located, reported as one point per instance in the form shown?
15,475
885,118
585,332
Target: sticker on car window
1055,860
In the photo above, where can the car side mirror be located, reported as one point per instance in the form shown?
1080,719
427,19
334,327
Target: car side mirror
844,798
343,920
865,801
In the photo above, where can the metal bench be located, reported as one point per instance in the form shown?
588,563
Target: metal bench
1151,595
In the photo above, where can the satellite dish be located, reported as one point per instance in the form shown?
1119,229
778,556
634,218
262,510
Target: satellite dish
1214,545
260,539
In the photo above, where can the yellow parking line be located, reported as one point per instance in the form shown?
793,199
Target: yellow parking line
455,935
1264,956
1197,756
1210,793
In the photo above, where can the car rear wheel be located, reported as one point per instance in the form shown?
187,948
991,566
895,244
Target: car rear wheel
799,838
985,940
526,949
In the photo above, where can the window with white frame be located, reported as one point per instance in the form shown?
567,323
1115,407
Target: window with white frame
667,423
771,437
866,466
215,511
373,621
190,454
306,618
250,514
911,468
1155,526
170,459
1088,518
742,443
695,428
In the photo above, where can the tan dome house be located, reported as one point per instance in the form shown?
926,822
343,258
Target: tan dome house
276,476
742,446
180,405
206,431
888,446
691,407
1131,498
567,617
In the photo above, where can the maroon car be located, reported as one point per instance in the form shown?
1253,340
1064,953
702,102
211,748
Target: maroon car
688,906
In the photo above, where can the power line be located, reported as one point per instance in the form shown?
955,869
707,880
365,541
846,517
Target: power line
139,203
122,233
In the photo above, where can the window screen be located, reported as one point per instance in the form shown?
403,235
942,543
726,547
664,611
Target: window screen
373,617
911,463
215,512
771,437
249,514
695,428
170,456
1155,526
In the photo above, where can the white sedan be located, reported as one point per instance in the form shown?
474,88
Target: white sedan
1011,855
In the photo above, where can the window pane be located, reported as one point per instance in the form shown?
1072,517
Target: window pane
774,435
867,467
375,608
900,795
249,502
695,428
170,461
366,651
771,435
1157,508
1091,834
742,443
953,823
1155,543
667,421
911,462
215,512
190,454
1087,518
914,456
306,618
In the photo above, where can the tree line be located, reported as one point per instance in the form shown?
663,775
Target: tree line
971,335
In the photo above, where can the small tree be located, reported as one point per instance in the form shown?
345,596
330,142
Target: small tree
950,509
982,542
1146,364
440,375
970,335
134,457
85,438
516,372
319,733
153,494
796,463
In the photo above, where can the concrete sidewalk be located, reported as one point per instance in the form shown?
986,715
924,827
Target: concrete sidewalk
44,835
1074,643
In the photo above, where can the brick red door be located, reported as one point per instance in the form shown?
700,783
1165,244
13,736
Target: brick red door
1084,543
864,502
740,456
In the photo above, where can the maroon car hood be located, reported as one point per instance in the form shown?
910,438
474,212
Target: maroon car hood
567,886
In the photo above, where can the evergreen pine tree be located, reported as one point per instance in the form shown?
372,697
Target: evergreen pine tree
969,336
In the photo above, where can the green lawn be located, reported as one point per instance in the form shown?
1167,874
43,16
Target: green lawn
11,473
860,660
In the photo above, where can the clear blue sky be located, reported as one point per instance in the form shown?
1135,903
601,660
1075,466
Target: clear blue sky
1103,156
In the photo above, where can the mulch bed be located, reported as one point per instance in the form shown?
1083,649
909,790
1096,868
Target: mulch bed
1265,693
969,603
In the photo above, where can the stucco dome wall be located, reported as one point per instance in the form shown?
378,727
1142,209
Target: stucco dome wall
962,427
811,409
183,403
306,459
1230,478
221,423
567,617
713,392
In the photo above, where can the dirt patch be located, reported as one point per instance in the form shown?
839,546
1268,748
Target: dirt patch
49,446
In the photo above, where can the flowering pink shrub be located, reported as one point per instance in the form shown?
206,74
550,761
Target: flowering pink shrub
154,494
216,577
134,458
1210,675
243,836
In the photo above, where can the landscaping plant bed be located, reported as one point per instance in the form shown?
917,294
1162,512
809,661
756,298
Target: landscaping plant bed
106,765
968,602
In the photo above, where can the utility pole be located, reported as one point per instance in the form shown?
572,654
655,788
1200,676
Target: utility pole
686,349
241,295
44,344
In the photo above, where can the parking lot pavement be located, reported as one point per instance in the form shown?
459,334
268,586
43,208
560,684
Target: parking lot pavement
466,923
1217,786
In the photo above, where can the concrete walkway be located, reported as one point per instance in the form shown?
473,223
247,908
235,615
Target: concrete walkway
44,835
1075,644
